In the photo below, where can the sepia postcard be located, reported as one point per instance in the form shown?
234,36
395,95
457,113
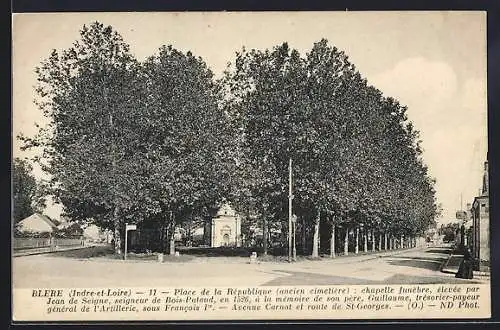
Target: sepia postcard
250,166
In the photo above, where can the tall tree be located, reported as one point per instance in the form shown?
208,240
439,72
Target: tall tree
186,137
24,190
88,93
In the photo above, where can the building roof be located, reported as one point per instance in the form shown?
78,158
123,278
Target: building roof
482,197
38,223
226,210
479,199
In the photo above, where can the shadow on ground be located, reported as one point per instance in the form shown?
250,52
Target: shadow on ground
440,250
417,263
429,258
408,279
302,278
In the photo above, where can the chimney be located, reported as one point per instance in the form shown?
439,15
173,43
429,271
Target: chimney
485,189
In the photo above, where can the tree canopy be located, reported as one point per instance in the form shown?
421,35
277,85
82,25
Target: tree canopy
161,142
25,191
355,154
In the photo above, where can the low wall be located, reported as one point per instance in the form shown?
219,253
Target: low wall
33,243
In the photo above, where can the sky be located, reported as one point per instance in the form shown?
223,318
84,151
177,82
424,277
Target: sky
432,62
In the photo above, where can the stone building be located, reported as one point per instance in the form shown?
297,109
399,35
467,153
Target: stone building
481,222
225,229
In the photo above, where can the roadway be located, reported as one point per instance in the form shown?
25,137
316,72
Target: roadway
415,266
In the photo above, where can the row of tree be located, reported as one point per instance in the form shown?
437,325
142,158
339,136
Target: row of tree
162,142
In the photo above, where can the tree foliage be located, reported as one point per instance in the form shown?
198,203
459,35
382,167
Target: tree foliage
160,143
128,141
356,157
24,190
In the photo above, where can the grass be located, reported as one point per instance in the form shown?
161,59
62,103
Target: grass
216,251
153,256
181,258
107,252
281,258
274,254
85,253
188,254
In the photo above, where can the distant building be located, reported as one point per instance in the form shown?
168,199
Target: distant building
37,223
97,234
481,222
225,229
468,225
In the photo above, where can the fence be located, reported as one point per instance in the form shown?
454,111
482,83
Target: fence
33,243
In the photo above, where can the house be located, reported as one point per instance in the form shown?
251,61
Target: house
37,223
225,228
481,223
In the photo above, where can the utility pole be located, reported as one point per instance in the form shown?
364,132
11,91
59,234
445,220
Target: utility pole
126,238
290,198
294,237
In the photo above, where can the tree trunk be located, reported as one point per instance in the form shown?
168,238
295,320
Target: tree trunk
264,235
303,237
380,241
172,241
402,245
117,233
332,241
315,252
365,243
372,234
346,241
163,238
319,239
391,243
172,235
385,241
356,249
